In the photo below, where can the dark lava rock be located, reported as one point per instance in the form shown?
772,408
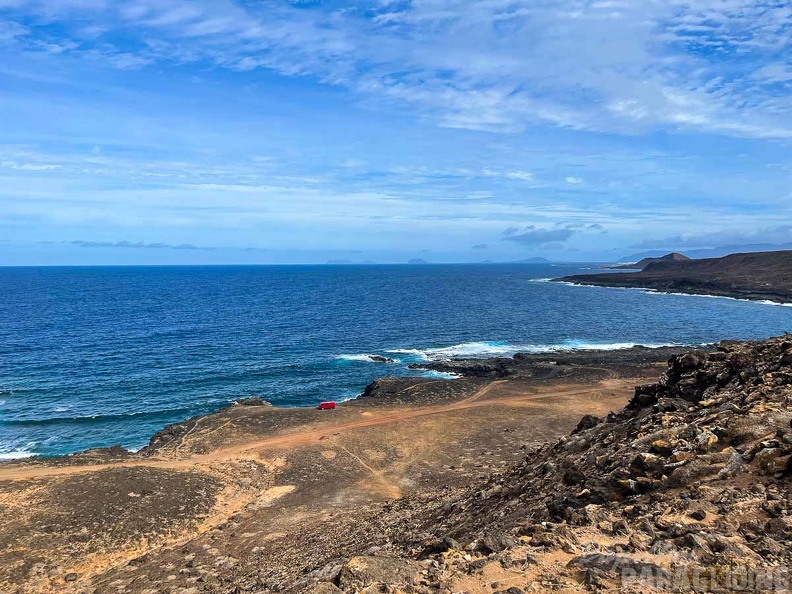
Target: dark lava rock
381,359
587,422
376,389
495,543
446,544
498,367
170,434
618,565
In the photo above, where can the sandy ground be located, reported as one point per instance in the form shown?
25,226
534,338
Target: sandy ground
267,492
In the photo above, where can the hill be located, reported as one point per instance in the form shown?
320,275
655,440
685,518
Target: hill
644,262
760,275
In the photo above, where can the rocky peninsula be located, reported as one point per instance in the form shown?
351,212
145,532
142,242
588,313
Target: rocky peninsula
756,276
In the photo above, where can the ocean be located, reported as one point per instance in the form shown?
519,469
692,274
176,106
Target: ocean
97,356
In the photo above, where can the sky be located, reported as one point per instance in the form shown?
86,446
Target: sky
276,131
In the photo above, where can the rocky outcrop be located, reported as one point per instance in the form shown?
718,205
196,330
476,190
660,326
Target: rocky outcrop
169,434
496,367
383,388
381,359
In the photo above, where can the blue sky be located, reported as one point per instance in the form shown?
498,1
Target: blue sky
241,131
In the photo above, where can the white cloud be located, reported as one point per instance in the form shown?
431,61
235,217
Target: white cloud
573,180
498,65
773,73
526,176
30,166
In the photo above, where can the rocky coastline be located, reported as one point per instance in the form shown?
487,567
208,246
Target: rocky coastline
761,276
567,471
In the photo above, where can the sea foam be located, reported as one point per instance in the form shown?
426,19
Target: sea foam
447,375
650,291
362,357
487,349
17,455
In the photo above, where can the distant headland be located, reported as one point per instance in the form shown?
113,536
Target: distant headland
756,276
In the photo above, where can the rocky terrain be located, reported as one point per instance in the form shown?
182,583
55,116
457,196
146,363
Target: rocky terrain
540,473
761,275
686,489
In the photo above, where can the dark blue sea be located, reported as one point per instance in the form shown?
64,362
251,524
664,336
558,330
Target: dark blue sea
100,356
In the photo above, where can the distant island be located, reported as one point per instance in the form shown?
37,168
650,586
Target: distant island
758,276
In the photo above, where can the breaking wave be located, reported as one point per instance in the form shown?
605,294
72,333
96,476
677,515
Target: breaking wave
362,357
487,349
11,451
757,301
431,373
648,291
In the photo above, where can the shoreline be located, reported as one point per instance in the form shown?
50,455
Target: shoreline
679,291
440,370
474,351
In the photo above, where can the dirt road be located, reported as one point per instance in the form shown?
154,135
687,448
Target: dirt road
301,436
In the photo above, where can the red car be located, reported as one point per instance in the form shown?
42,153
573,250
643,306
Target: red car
326,405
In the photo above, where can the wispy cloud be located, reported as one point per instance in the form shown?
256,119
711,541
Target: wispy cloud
700,64
526,176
